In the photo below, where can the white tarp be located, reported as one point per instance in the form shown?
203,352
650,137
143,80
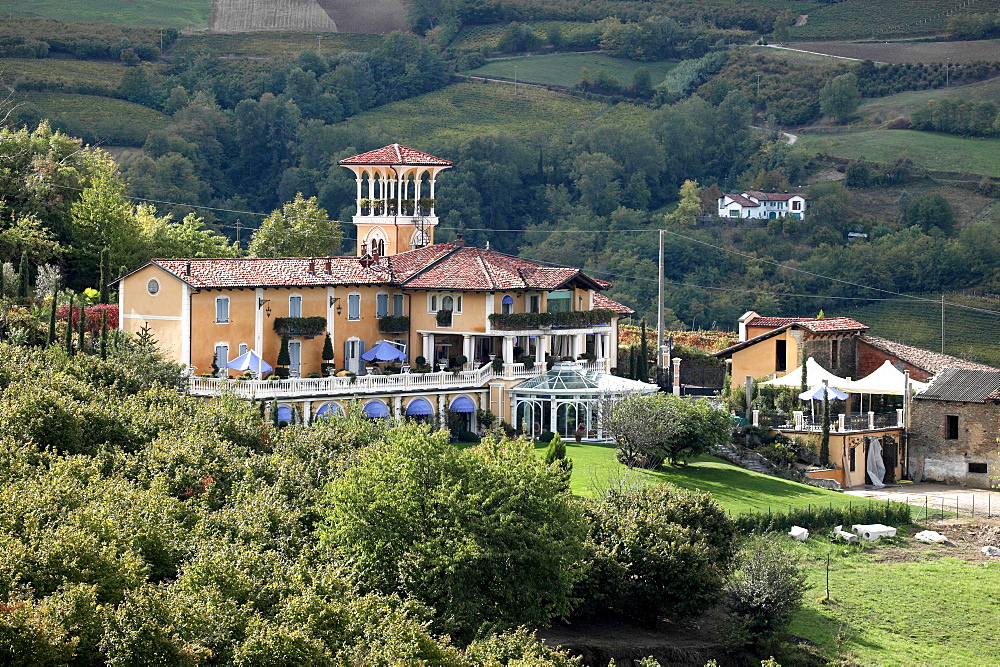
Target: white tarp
874,464
815,374
886,379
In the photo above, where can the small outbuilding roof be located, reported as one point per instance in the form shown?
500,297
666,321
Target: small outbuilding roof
964,385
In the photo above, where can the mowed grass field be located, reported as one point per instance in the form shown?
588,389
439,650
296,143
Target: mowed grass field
880,19
183,14
98,120
926,149
884,109
271,44
563,69
908,52
458,112
737,489
900,603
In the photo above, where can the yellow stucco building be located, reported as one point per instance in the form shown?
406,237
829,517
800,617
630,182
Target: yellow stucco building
482,321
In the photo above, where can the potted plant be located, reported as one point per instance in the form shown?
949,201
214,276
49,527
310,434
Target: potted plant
327,355
579,433
407,206
426,205
283,359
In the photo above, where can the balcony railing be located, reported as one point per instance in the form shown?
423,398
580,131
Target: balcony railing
367,384
841,423
573,319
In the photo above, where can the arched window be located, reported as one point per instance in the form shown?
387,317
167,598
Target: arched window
447,303
507,305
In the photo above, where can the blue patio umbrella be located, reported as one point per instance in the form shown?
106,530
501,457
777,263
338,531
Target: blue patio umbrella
250,361
816,394
384,351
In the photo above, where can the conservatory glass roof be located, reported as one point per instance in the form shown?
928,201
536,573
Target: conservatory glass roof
564,376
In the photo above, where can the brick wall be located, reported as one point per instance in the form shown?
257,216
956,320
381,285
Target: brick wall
847,355
935,458
870,358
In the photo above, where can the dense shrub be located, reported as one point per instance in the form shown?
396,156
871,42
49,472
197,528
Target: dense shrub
657,552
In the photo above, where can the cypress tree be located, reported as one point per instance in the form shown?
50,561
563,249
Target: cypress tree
327,355
643,363
3,285
631,362
274,414
283,357
81,326
104,333
52,314
23,278
69,326
105,271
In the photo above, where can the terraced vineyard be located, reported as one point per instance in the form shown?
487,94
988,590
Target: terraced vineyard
910,52
879,19
564,69
252,15
456,113
98,120
71,76
271,44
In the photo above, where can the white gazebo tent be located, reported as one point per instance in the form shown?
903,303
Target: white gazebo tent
815,375
886,379
566,398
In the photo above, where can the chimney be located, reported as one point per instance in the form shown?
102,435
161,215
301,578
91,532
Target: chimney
312,267
459,241
329,268
187,268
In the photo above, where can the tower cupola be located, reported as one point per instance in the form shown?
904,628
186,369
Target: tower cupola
395,198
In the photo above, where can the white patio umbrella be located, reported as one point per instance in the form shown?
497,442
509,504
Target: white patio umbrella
250,361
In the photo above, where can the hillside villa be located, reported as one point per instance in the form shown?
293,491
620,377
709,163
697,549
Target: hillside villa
761,205
482,321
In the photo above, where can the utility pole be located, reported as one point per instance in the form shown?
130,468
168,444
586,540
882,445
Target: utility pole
942,322
239,226
515,79
659,307
319,45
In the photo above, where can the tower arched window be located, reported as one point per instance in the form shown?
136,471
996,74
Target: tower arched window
507,305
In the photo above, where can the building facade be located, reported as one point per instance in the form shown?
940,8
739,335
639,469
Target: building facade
761,205
478,322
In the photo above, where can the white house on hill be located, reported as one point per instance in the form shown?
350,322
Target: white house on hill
762,205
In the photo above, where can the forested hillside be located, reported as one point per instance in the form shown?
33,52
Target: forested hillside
231,127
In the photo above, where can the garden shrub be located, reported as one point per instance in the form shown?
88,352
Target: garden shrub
657,551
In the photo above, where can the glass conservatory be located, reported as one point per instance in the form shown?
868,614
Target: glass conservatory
567,399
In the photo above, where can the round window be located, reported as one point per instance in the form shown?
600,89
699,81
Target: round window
153,287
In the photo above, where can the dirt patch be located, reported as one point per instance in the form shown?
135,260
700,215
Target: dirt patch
377,17
801,20
909,52
687,642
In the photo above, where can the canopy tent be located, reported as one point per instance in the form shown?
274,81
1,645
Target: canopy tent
375,410
886,379
384,351
250,361
419,407
815,374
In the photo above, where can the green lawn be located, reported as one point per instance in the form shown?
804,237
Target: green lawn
186,14
737,489
930,611
564,69
926,149
459,112
101,120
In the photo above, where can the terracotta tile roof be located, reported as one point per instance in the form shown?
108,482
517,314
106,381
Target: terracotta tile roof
831,324
932,362
811,324
728,352
273,272
439,266
396,154
743,201
769,196
602,301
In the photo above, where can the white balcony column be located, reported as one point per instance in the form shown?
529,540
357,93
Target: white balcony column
359,196
543,349
258,322
579,345
442,418
553,416
397,408
798,416
899,417
428,347
416,193
871,420
677,376
841,419
307,412
467,351
508,349
432,194
371,186
399,195
756,418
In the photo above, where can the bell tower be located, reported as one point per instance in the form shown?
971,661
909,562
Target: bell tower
395,201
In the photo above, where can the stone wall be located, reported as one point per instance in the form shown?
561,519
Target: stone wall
933,458
847,355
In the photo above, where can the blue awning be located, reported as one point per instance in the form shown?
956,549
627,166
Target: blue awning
463,404
419,407
328,410
375,410
285,414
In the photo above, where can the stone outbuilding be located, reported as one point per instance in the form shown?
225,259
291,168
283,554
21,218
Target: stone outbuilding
954,429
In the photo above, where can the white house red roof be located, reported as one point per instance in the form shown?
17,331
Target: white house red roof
396,154
440,266
769,196
743,201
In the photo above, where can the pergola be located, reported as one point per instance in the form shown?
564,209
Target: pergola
566,397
